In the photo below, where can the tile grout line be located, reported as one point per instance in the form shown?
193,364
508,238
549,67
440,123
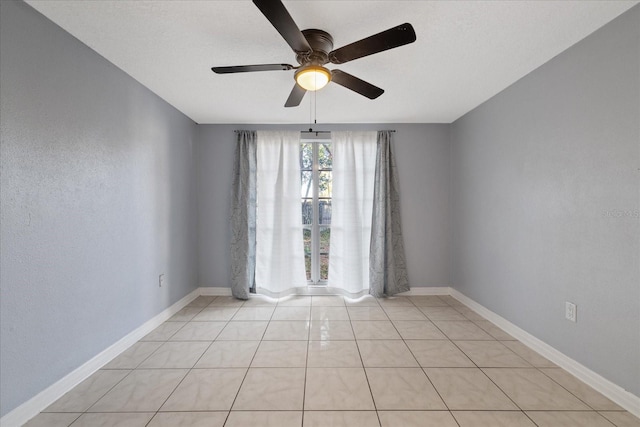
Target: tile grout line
363,367
573,394
86,411
248,367
306,364
422,368
195,363
490,379
484,373
472,361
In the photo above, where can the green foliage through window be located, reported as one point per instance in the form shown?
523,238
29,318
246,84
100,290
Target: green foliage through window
316,161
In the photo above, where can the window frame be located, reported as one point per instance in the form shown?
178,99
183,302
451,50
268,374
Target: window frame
315,227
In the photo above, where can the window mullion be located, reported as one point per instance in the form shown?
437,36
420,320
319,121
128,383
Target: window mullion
315,230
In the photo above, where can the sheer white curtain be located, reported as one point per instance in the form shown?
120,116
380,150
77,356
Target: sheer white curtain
354,160
279,244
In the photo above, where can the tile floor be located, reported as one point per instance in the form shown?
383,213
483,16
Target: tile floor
331,361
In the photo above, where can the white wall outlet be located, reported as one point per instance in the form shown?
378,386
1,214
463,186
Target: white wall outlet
161,280
570,311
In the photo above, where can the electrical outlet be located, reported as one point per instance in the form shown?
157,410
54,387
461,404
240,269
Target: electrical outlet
570,311
161,280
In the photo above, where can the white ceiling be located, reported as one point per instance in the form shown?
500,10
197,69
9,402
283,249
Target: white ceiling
466,52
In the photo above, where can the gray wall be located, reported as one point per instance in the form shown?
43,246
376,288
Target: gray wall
545,202
422,153
97,196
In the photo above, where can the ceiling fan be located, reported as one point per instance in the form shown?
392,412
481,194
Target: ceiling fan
314,49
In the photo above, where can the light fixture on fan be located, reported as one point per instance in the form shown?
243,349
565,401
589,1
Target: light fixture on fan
312,77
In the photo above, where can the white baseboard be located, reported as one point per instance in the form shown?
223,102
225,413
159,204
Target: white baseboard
429,290
322,290
42,400
614,392
214,291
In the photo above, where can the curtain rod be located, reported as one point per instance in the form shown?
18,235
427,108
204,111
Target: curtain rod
322,131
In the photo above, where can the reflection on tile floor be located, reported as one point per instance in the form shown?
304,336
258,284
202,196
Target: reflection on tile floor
331,361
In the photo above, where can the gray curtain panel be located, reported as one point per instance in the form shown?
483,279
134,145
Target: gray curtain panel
387,264
243,215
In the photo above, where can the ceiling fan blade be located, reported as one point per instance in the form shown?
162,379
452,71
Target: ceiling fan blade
248,68
389,39
356,84
279,17
295,97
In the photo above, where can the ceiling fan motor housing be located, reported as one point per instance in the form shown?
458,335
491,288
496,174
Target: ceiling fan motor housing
321,44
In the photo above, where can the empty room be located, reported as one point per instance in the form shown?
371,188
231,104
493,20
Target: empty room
319,213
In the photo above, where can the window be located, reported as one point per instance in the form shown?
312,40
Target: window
316,161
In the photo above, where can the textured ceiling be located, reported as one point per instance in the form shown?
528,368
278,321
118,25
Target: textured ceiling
466,52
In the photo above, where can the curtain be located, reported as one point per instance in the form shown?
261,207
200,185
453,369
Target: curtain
354,157
243,215
387,265
279,244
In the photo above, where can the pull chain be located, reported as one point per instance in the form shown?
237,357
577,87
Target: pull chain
313,109
313,105
310,112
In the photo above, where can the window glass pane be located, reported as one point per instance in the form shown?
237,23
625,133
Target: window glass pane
324,184
306,156
325,240
324,212
307,212
316,162
306,189
325,156
306,237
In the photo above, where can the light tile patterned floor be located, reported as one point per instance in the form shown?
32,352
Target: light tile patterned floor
331,361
